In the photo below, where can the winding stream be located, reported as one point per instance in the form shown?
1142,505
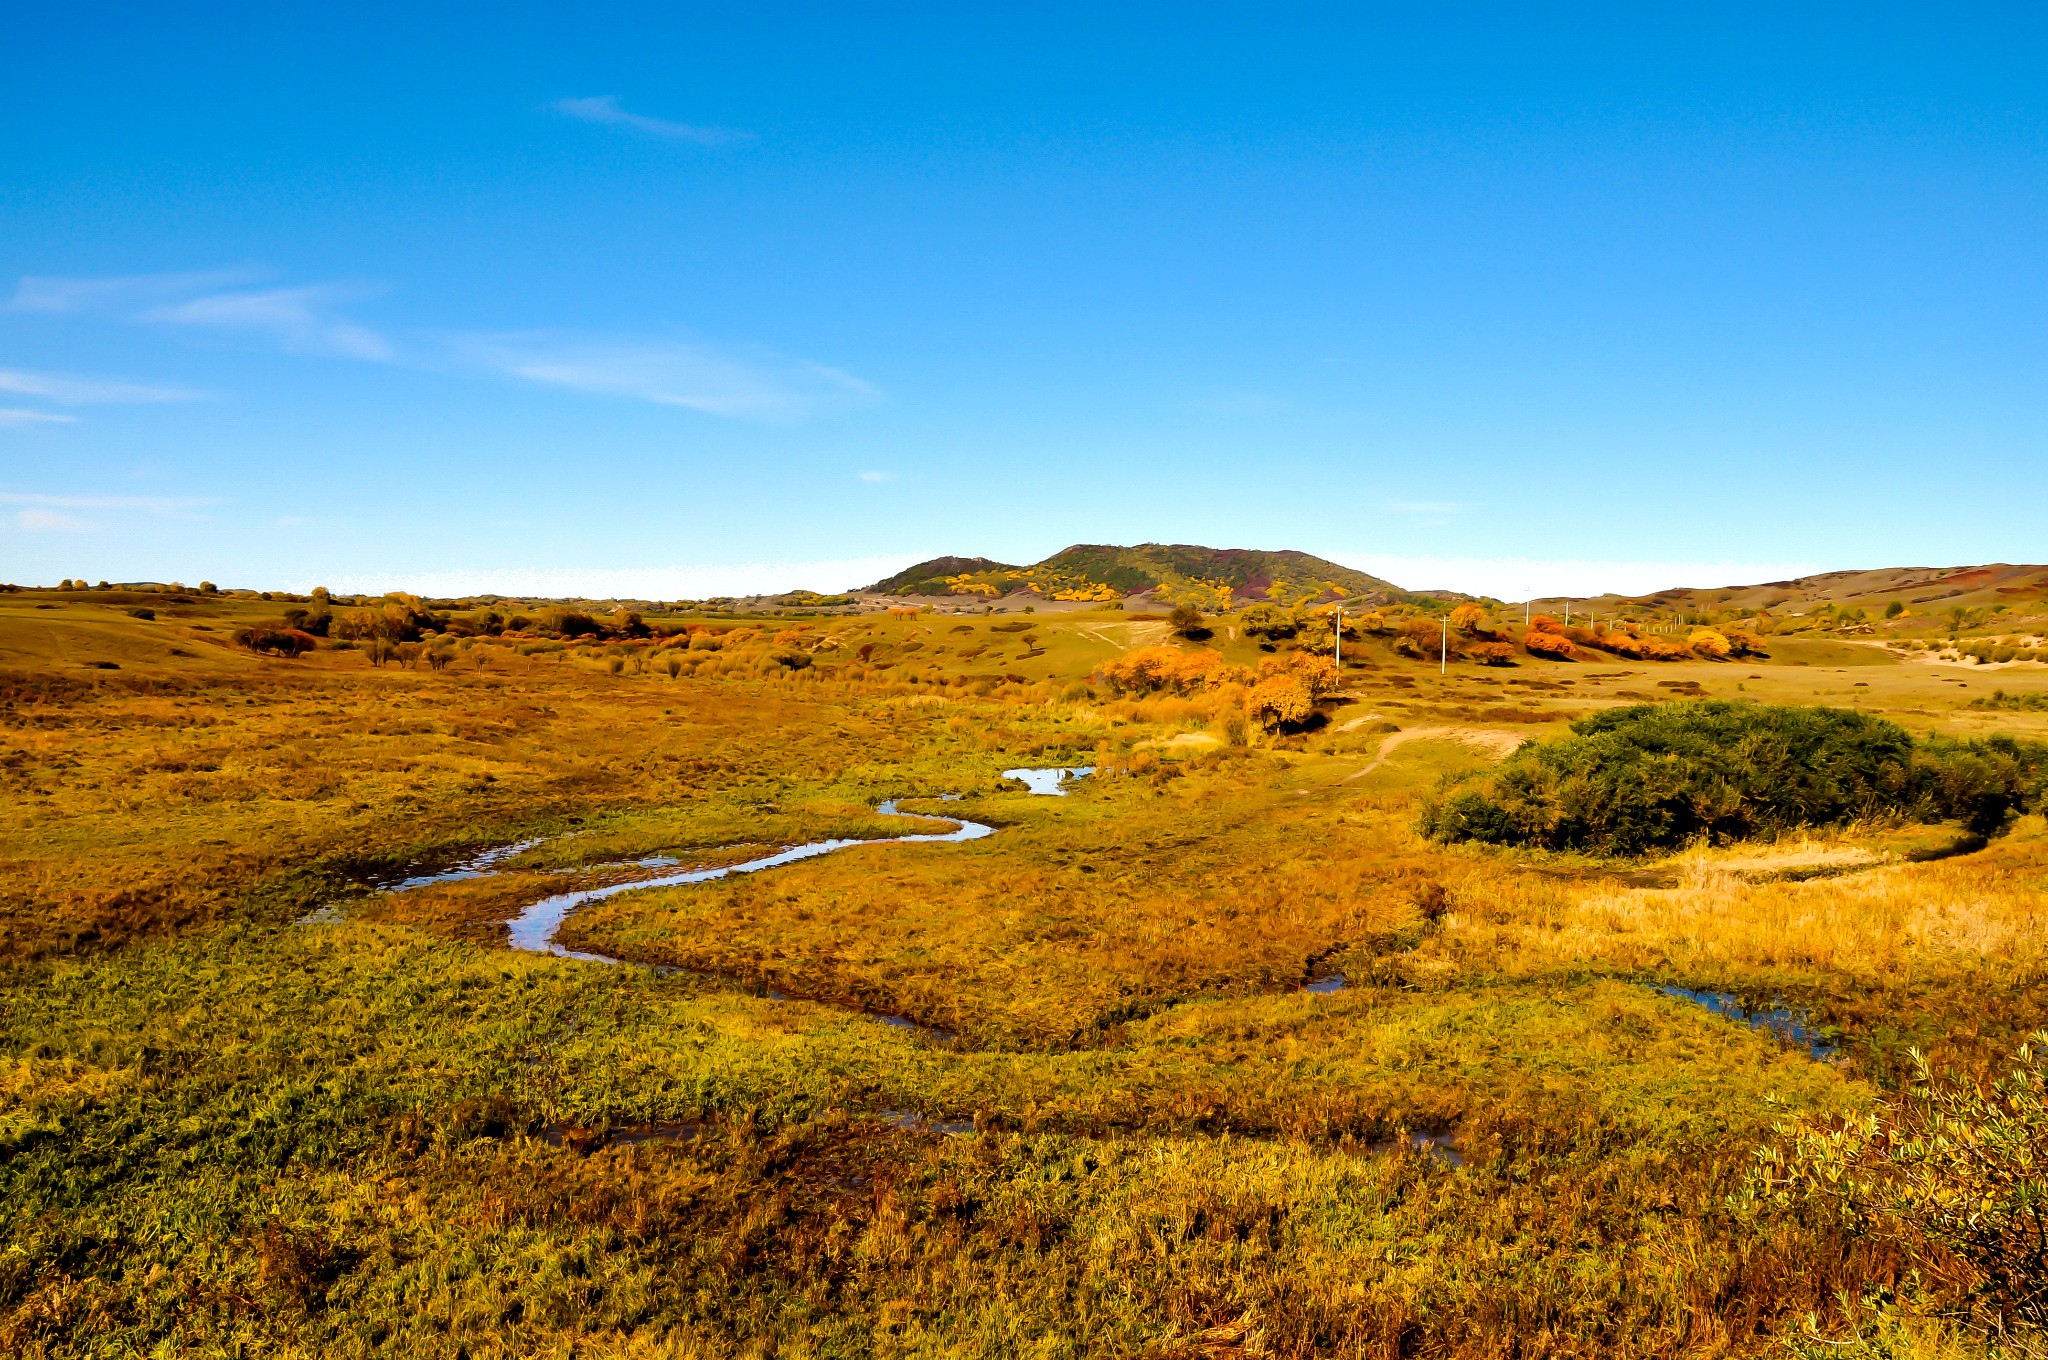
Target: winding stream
534,928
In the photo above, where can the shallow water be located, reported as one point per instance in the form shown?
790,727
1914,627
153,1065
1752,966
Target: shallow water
1050,781
912,1122
589,1140
1442,1147
1325,986
1793,1028
534,928
483,864
476,866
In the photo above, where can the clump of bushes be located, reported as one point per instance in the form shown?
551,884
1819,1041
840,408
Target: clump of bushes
2024,703
286,642
1269,623
396,618
1657,776
1172,669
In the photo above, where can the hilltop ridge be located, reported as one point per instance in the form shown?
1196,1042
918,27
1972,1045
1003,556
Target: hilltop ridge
1106,571
1984,589
1102,571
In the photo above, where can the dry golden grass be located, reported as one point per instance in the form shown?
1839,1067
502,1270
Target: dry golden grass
220,1130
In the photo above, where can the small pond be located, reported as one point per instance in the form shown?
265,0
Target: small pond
1052,781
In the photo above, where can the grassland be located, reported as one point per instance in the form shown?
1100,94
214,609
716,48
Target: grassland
384,1132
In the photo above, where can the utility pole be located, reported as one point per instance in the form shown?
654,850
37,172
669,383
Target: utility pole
1337,647
1444,661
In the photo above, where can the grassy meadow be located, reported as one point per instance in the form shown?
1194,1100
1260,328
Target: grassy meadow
251,1104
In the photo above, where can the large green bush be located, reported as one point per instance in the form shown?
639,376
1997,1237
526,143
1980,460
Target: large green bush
1655,776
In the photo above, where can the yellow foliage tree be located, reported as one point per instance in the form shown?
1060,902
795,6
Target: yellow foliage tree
1288,687
1169,668
1279,699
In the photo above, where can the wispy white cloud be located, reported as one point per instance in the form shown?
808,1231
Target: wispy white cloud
873,478
125,292
746,384
604,109
300,319
652,583
170,507
1524,578
739,382
48,522
303,318
68,389
21,415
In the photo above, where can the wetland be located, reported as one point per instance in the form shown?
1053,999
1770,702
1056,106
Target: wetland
537,1005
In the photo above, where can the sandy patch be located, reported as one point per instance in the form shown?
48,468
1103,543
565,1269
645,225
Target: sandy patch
1494,742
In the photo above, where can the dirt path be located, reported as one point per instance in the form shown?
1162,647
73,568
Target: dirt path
1494,742
1140,634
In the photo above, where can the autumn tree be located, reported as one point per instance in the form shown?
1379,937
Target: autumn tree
1179,670
1186,621
1269,622
1288,687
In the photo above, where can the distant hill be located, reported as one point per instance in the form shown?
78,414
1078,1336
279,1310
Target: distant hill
1921,589
1101,571
929,578
1247,571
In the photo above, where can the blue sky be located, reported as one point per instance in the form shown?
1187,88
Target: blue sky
669,300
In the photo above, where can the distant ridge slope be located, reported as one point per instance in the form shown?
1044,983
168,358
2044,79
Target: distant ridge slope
1104,571
1986,586
929,577
1247,571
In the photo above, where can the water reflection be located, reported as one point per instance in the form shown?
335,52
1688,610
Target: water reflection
1793,1028
1050,781
1442,1147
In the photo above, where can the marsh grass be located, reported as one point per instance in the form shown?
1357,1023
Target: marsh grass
387,1134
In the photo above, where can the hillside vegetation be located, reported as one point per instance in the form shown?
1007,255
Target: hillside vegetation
1179,572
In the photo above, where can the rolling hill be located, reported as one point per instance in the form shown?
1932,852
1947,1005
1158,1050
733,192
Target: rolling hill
1923,590
929,577
1100,571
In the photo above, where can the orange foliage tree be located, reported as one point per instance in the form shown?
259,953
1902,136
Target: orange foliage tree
1709,643
1493,653
1178,670
1288,687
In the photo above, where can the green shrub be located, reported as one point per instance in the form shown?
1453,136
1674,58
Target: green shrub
2034,703
1269,622
1952,1171
1656,776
